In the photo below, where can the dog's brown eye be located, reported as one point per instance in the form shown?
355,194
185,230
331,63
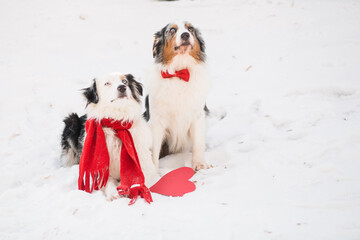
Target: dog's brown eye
191,29
124,81
107,84
172,30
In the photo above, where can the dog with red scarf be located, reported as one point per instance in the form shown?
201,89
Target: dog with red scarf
177,92
118,141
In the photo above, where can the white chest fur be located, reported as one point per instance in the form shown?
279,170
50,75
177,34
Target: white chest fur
176,95
175,104
141,135
113,144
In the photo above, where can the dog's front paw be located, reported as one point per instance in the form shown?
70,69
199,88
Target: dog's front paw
197,165
111,194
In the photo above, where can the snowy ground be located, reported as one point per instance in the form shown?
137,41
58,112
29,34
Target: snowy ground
286,155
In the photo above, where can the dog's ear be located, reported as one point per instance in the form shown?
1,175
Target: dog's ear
200,39
135,87
90,94
201,44
159,39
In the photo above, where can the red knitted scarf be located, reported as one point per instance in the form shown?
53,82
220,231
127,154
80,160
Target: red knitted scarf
183,74
94,161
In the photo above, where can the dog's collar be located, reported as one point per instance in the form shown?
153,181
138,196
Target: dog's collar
183,74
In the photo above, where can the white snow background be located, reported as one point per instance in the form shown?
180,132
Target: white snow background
285,155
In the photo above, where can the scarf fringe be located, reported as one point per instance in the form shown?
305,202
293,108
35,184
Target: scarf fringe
135,192
90,180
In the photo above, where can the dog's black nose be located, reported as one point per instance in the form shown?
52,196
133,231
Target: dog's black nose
185,36
122,88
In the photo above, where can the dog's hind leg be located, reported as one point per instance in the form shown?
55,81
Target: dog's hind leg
72,139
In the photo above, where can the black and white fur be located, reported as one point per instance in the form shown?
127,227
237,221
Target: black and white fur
176,109
114,96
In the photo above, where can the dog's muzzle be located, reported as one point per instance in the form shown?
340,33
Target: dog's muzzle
185,36
121,88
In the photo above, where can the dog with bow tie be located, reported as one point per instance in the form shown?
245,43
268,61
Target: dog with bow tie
175,105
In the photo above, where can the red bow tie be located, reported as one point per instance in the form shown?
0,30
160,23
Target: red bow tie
183,74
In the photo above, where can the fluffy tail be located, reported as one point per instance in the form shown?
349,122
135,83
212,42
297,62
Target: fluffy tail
72,139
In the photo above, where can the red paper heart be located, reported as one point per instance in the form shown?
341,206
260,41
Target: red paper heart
175,183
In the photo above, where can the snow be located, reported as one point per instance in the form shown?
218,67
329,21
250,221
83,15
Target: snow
283,139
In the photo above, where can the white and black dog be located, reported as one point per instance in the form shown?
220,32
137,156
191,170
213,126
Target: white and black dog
176,105
115,96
